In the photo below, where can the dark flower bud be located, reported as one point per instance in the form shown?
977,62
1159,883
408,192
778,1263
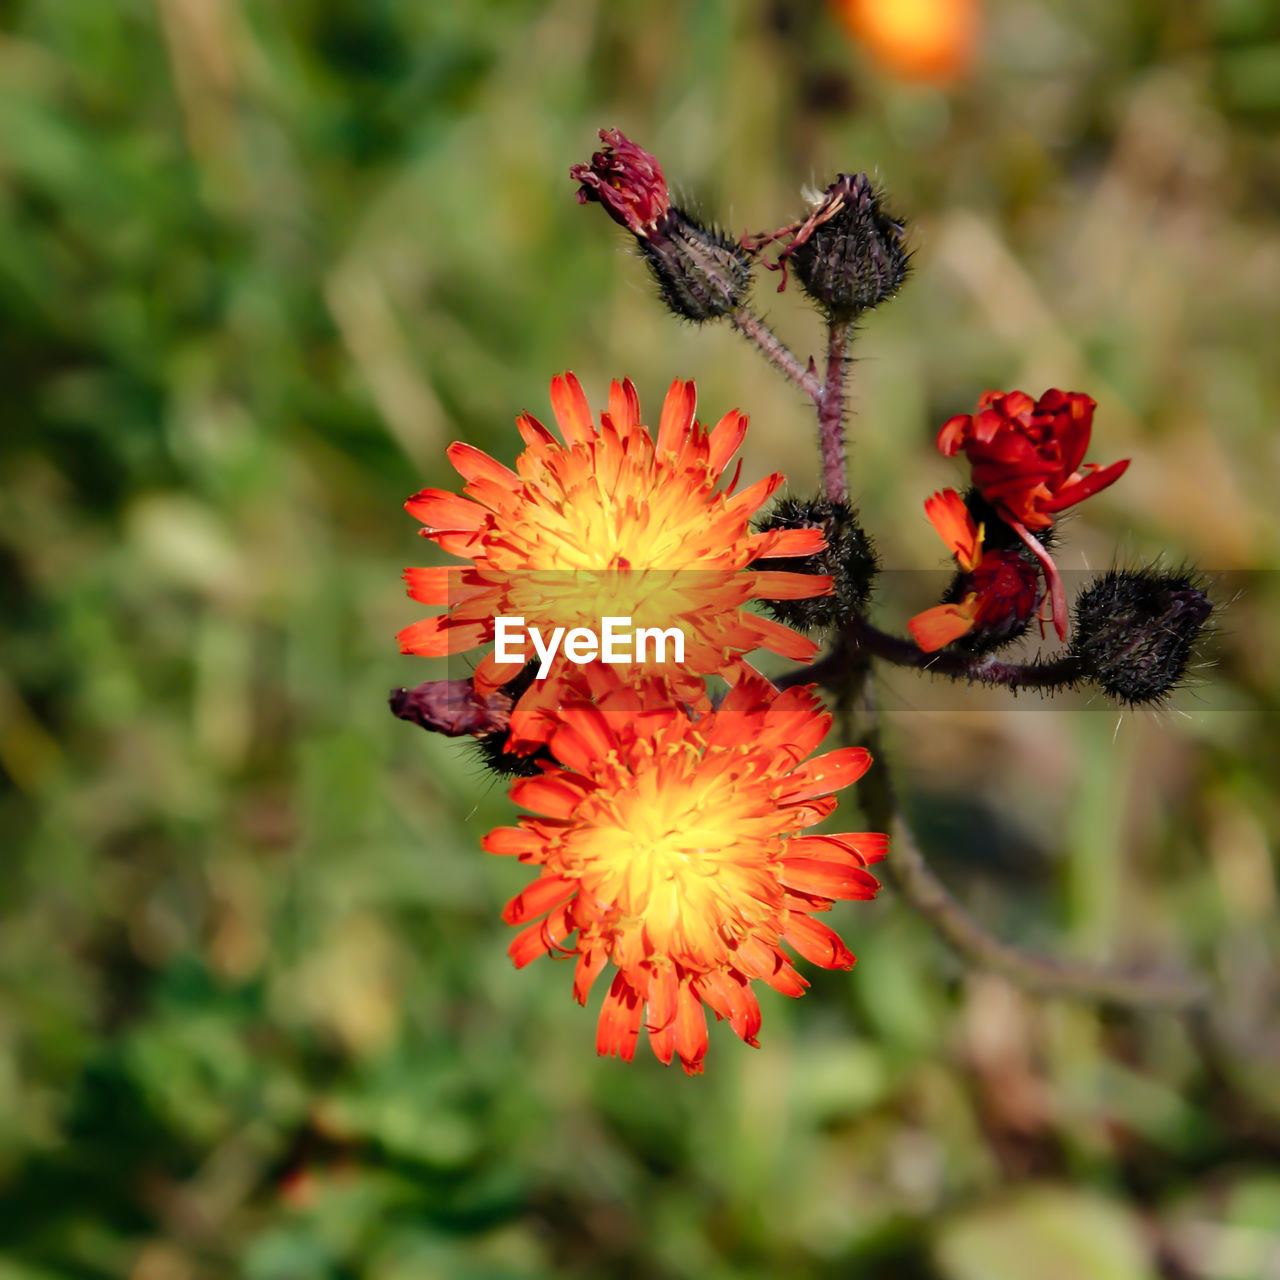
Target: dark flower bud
701,273
848,253
849,559
452,707
1135,631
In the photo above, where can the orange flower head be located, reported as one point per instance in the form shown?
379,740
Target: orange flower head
671,847
996,593
610,523
931,41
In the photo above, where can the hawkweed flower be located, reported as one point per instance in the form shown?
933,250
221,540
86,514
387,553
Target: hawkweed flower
701,273
995,595
671,847
1027,458
612,522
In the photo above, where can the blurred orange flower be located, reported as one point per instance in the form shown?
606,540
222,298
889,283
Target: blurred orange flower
932,41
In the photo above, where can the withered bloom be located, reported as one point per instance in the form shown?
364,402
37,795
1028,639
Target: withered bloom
701,273
453,707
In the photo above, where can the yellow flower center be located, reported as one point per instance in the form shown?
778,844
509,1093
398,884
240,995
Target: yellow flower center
683,855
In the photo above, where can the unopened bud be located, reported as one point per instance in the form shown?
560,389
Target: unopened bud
1135,631
849,559
848,253
701,273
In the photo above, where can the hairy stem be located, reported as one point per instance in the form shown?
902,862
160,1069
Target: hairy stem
863,639
835,474
777,352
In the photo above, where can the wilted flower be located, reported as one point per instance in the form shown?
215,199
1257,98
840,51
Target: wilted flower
701,273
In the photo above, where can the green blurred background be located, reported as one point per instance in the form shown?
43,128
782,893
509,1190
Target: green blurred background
259,263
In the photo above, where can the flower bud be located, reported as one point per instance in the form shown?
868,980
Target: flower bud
848,253
849,559
701,273
1135,631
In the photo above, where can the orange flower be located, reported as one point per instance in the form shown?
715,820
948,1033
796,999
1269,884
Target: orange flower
671,847
926,40
997,592
610,523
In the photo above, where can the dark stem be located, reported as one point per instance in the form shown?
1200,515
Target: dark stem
777,352
835,475
862,638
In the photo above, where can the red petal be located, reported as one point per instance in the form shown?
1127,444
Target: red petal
663,1002
1086,486
731,998
533,433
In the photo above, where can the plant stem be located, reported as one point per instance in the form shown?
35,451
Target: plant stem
926,894
777,352
835,474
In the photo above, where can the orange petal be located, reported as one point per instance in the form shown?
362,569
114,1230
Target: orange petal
438,636
428,586
512,842
816,942
775,584
691,1030
788,542
572,411
532,432
826,774
552,795
474,464
677,417
624,408
544,893
440,509
619,1025
590,963
956,527
826,879
937,627
724,440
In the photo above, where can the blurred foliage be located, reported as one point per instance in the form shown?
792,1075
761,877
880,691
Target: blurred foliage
259,263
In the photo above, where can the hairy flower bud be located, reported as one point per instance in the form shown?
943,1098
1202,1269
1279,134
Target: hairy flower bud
848,253
701,273
849,559
1135,631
